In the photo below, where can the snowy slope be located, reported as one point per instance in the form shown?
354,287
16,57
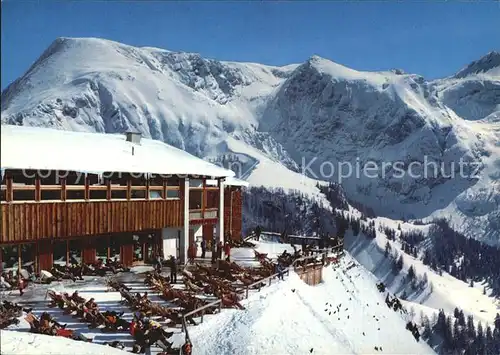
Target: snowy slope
278,119
344,315
24,343
446,291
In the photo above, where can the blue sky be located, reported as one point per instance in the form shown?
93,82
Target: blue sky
431,39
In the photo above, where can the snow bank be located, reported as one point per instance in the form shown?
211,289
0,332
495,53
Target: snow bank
22,343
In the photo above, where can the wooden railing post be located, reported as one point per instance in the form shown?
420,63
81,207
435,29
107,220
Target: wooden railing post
9,195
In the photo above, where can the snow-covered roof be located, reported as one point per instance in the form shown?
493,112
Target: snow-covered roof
231,181
50,149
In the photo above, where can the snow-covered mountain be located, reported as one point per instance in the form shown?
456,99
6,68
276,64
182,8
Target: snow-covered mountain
277,120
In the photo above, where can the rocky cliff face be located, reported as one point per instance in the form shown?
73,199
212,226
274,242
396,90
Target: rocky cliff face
280,120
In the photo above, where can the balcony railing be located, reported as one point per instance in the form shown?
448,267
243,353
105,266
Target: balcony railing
209,213
196,214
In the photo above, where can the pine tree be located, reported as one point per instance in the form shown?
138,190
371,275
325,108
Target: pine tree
411,273
448,334
479,341
440,326
489,342
458,335
399,263
387,249
427,327
471,329
497,322
395,257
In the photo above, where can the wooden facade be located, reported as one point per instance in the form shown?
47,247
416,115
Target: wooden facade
46,211
23,222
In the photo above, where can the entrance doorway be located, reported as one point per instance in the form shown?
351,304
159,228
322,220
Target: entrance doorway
146,247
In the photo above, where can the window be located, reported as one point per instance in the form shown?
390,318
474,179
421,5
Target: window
195,197
50,194
155,194
118,194
171,194
23,195
195,183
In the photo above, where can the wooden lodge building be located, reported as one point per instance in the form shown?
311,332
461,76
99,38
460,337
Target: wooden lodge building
72,196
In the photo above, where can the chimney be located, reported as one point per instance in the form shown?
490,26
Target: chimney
133,137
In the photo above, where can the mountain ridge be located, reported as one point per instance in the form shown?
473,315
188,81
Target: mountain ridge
275,118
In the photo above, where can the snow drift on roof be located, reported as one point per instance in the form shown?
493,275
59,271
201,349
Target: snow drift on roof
50,149
231,181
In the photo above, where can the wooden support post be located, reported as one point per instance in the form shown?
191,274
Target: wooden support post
147,187
87,187
108,189
36,268
165,188
67,252
231,211
203,198
19,258
63,189
38,192
129,188
9,193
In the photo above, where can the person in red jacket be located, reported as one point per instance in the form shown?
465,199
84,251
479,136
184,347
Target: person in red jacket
227,251
187,348
132,328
